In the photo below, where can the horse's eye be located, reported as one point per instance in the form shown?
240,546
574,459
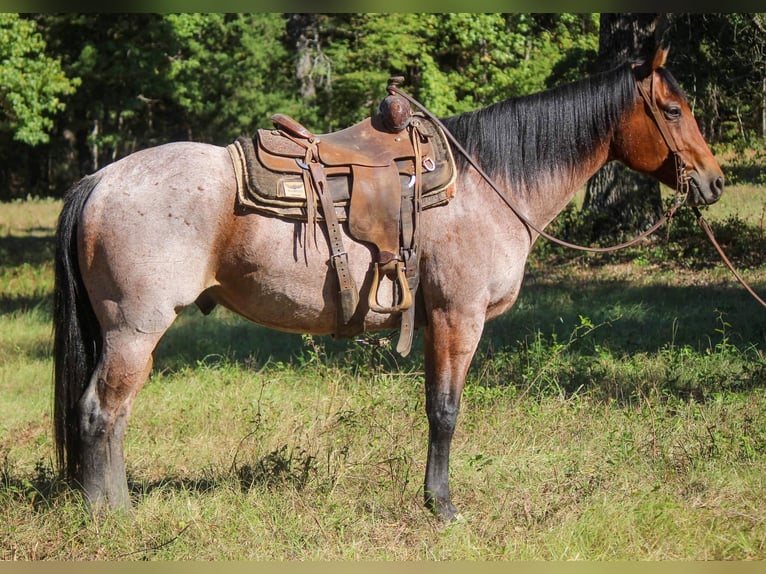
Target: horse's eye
673,112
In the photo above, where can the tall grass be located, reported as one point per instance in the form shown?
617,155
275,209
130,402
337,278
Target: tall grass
617,412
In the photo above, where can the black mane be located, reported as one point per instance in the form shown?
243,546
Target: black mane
523,138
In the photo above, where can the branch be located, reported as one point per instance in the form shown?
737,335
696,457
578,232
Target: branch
158,546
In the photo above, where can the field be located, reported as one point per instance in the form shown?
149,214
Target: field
618,412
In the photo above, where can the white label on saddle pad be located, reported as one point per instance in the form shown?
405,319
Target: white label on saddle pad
294,189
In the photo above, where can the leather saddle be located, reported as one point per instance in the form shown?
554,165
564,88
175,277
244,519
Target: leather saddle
375,177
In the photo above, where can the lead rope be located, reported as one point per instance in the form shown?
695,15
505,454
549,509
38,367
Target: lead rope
709,232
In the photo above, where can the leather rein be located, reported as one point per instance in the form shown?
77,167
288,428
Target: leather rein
646,89
682,184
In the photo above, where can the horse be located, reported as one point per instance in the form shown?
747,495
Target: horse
158,231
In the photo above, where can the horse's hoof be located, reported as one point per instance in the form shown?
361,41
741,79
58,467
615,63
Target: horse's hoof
444,510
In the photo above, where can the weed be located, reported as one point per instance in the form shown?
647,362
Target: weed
285,465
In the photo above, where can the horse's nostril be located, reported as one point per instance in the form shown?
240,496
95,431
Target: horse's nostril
718,184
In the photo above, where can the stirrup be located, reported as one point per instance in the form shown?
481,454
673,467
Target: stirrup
406,301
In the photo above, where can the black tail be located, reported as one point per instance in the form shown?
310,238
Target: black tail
77,336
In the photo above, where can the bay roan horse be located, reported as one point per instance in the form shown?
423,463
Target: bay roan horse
156,231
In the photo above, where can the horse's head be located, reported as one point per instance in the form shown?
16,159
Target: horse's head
660,136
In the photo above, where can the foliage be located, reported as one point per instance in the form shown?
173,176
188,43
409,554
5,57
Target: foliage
455,62
729,106
100,86
227,71
149,78
681,242
33,85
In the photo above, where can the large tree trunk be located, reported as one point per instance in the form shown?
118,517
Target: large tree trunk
619,201
303,31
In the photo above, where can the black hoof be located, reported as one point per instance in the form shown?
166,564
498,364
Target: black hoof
444,509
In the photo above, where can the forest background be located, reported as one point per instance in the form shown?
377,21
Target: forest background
79,91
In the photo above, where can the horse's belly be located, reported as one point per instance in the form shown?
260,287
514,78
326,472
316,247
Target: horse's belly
277,282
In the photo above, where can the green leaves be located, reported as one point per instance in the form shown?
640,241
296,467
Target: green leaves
32,83
453,62
100,86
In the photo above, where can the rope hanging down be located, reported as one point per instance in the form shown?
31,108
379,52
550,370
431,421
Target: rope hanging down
664,219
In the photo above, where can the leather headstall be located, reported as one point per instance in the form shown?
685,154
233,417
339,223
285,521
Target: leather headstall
646,89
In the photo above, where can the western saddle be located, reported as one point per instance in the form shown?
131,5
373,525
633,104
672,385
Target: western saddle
375,176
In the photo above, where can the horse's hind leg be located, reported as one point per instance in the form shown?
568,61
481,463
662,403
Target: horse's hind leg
104,410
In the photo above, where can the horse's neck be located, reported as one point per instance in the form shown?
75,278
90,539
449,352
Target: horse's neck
555,191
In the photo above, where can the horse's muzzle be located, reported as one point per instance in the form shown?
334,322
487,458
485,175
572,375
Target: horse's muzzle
703,189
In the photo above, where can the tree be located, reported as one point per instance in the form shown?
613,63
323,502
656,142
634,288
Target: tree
484,58
122,60
32,92
452,62
149,79
363,51
729,101
312,66
230,72
33,84
619,201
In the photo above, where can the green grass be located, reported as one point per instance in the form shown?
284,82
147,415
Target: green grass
617,412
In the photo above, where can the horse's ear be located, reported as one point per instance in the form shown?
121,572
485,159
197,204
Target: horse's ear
657,61
661,44
660,55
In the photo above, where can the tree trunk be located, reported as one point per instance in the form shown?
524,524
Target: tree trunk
619,201
303,31
763,108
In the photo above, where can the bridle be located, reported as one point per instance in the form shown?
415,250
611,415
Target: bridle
683,178
646,89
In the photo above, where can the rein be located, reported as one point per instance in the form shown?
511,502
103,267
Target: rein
667,216
709,232
682,185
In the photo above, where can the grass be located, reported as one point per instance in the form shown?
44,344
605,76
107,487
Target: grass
618,412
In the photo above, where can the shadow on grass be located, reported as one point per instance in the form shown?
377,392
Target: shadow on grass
283,467
34,250
24,303
635,318
196,338
38,490
19,251
744,173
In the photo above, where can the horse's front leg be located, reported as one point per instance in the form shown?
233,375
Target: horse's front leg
450,343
